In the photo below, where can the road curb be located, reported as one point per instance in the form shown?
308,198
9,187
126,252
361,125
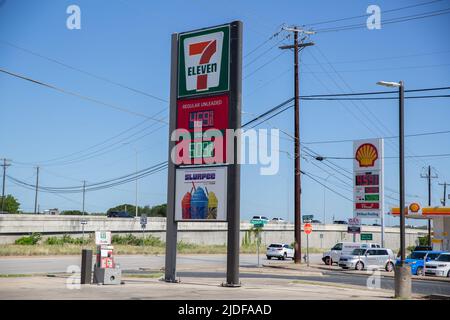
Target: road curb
303,271
384,274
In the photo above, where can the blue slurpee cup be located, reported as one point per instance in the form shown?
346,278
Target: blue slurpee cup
199,204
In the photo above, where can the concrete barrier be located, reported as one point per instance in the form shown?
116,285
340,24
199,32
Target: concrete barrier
322,237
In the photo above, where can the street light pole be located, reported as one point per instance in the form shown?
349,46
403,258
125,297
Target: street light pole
324,200
402,271
136,196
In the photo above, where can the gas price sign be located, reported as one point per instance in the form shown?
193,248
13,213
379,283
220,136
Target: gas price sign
368,178
204,119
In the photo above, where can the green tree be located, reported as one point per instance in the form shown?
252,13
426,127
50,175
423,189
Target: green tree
9,204
159,211
124,207
72,213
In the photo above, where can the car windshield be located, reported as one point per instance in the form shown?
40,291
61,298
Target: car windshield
417,255
358,252
433,256
444,257
274,245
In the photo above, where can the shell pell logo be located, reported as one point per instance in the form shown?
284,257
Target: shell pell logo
366,154
414,207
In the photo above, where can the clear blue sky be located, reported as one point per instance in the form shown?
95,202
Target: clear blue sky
129,42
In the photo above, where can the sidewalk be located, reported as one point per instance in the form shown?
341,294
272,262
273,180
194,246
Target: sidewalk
256,288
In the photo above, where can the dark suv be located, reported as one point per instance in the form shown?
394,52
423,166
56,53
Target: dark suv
423,248
119,214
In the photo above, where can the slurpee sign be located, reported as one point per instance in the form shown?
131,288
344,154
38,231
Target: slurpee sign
201,194
204,61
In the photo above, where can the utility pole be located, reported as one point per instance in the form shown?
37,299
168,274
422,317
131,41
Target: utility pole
37,187
4,165
428,176
297,181
84,192
445,192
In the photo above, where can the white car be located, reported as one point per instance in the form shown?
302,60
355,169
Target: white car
282,251
343,248
281,220
439,267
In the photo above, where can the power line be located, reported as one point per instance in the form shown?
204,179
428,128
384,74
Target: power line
106,104
263,65
385,137
83,71
389,157
49,161
388,21
332,190
368,14
378,98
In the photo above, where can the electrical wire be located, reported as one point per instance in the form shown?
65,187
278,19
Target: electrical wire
75,94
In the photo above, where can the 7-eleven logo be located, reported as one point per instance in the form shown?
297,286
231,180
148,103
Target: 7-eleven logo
203,55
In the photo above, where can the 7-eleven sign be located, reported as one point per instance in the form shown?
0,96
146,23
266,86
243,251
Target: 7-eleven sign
204,61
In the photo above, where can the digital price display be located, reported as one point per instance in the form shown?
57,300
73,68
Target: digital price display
206,117
372,190
211,113
202,149
367,180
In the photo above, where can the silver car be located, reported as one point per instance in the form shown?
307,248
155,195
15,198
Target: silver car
361,259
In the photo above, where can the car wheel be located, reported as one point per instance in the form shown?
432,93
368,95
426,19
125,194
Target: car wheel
389,267
284,256
448,274
268,258
419,271
359,266
328,261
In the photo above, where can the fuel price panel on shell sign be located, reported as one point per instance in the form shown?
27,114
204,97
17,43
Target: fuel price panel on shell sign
367,187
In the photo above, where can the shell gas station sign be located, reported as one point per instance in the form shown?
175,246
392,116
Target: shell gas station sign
368,167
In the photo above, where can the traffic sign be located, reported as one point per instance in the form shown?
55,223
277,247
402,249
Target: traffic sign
307,217
258,223
307,228
366,236
354,229
143,220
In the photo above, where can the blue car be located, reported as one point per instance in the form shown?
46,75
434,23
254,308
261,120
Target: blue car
416,260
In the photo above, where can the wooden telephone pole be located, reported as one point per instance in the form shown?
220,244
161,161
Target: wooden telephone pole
297,181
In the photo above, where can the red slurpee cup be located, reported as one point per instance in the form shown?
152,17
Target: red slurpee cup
186,206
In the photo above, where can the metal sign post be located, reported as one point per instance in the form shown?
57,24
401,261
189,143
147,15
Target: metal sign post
308,229
143,221
206,85
83,223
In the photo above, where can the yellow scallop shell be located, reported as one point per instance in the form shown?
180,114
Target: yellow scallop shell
366,155
414,207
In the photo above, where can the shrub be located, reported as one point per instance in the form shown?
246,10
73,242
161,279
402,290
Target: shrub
132,240
29,240
66,239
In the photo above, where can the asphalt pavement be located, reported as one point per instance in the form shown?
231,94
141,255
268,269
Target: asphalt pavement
213,266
